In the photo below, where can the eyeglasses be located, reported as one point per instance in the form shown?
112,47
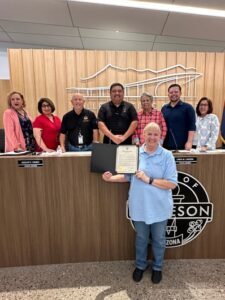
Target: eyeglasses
45,105
146,100
203,105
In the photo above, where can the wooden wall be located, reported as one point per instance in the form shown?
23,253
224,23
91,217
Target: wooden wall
38,73
4,91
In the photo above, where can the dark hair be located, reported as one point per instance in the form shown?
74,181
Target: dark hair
210,106
10,96
116,84
174,85
40,102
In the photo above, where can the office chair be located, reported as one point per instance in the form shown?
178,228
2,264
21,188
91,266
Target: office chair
2,140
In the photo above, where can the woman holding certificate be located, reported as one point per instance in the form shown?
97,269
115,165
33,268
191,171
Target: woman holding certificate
150,200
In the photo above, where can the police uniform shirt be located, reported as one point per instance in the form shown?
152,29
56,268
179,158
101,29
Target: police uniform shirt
83,124
117,118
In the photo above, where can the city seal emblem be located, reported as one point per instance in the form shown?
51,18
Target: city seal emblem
191,212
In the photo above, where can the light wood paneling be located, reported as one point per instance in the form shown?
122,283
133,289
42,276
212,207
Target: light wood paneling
16,70
210,71
61,80
218,84
161,63
50,78
30,82
4,91
200,83
39,74
49,73
190,90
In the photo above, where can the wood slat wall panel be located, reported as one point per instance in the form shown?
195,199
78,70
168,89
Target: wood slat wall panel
39,74
209,75
200,66
151,64
161,62
218,84
49,64
102,80
4,91
182,61
121,61
16,70
61,80
29,83
171,60
190,61
53,71
131,75
141,65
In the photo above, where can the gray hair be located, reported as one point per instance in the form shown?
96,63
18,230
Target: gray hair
147,95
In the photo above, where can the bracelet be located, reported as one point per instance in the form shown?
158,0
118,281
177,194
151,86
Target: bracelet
150,180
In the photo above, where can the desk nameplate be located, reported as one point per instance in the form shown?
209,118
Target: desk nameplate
30,163
186,160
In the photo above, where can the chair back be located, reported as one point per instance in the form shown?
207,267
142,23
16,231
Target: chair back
2,140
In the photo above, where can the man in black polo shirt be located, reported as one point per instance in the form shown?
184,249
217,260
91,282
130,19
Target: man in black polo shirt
79,126
117,119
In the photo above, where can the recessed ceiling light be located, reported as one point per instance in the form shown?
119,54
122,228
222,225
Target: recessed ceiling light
159,6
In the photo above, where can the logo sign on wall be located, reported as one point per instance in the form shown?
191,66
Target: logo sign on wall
191,212
153,81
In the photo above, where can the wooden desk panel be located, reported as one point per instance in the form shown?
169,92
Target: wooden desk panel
62,213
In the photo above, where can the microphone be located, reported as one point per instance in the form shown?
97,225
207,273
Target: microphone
174,140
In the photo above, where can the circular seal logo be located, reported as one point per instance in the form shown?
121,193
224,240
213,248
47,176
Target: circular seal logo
191,212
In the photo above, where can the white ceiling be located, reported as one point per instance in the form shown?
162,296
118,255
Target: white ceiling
67,24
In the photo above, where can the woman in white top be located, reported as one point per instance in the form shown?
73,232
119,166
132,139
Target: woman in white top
207,126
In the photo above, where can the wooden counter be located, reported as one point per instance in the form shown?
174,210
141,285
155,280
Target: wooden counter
61,213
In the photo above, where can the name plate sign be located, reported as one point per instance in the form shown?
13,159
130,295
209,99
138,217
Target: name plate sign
186,160
30,163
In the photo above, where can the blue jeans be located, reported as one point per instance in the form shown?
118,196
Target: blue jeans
157,231
72,148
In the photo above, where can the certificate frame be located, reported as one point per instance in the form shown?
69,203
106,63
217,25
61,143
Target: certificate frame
104,157
127,158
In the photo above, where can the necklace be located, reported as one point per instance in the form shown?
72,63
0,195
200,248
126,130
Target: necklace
23,114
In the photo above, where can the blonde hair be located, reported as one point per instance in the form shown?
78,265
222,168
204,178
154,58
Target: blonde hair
152,125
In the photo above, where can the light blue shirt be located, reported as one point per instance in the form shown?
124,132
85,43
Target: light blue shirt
148,203
207,131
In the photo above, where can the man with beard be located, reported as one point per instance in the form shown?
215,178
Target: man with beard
180,121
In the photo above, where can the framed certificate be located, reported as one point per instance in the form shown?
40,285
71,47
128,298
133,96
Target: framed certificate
127,159
122,159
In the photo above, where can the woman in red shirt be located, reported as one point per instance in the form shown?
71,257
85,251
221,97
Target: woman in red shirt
46,127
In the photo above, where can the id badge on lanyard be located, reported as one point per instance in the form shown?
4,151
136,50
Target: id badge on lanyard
80,139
